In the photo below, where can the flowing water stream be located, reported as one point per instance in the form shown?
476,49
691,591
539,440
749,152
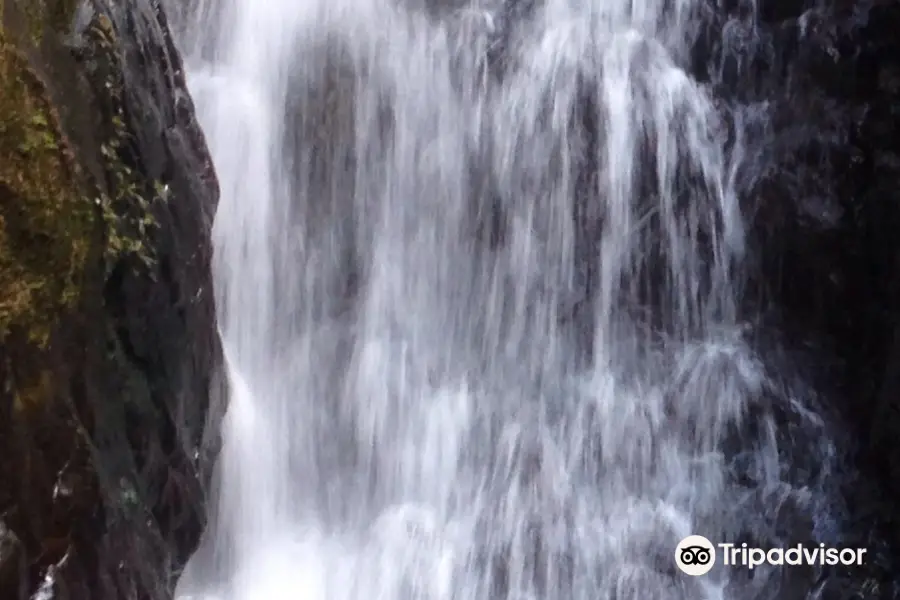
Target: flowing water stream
479,277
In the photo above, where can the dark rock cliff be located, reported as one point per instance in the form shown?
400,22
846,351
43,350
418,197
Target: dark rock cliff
818,85
109,353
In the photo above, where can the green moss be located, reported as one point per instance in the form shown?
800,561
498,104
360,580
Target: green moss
46,226
53,218
45,16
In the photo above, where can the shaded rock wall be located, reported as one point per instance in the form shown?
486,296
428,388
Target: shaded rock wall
109,354
818,84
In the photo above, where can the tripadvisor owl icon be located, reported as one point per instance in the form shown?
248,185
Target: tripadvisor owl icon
695,555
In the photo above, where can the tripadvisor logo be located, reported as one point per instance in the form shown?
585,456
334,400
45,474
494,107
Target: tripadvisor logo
696,555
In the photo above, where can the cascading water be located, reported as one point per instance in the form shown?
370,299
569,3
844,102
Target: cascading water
479,272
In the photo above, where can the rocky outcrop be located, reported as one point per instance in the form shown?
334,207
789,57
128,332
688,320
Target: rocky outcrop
109,353
818,84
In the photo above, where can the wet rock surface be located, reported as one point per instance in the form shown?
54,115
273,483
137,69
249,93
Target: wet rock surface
817,86
109,353
813,86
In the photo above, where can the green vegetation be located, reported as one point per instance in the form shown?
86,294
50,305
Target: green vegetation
126,210
53,217
46,227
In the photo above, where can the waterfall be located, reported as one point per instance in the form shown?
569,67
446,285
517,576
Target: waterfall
480,272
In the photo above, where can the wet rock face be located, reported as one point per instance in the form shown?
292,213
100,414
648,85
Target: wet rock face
110,363
817,85
12,562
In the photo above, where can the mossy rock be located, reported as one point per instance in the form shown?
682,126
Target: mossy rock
50,239
70,210
47,224
55,209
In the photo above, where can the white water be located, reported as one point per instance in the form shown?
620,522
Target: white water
417,413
